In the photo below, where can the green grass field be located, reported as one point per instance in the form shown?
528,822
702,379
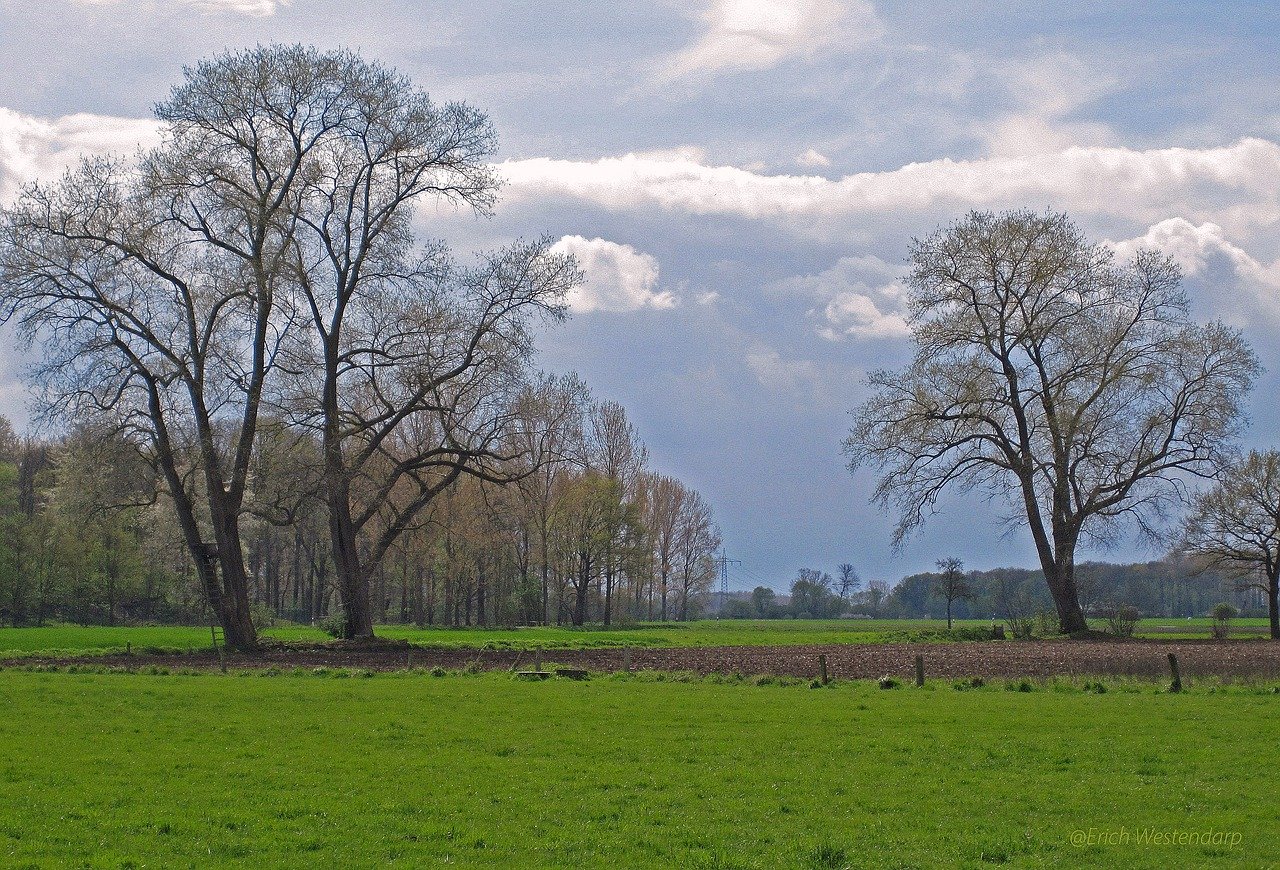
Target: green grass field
115,770
71,639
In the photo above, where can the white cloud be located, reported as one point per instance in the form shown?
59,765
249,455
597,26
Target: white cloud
760,34
41,148
813,159
618,277
858,297
257,8
1236,186
1232,275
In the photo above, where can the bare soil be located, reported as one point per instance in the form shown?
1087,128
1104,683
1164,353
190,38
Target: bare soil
1005,659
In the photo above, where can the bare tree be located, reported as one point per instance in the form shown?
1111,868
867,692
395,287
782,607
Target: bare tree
848,579
614,448
154,291
411,367
1046,373
697,539
1236,526
951,584
875,594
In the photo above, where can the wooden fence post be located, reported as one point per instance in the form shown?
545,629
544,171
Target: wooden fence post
537,659
822,668
919,671
626,659
1177,676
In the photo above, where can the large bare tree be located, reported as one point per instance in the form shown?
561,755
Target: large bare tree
1236,526
153,288
410,367
1048,373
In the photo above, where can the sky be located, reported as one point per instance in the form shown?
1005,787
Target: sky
741,180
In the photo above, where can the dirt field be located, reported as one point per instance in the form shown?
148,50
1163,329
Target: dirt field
844,661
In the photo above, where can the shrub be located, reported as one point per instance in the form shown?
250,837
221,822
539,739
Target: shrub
334,625
1021,627
261,616
1122,619
1222,613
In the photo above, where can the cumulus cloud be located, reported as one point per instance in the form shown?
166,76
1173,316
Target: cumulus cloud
1237,186
1232,275
257,8
858,297
41,148
760,34
618,277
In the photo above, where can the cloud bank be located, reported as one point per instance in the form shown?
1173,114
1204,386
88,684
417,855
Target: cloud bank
1236,185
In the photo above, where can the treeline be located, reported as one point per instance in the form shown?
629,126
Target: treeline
87,535
1174,586
333,414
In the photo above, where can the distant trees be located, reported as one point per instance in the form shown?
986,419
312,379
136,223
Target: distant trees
1077,387
849,581
764,601
951,585
1235,526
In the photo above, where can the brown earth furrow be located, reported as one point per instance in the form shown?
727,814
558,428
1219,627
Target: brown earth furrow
844,661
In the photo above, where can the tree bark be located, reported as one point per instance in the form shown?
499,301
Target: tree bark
1273,605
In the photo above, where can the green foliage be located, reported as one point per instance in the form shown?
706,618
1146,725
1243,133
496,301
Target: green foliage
334,625
1122,619
1223,613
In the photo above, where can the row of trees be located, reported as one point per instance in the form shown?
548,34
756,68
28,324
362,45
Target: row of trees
327,401
88,535
1178,585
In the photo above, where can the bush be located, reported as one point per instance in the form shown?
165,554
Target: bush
334,625
1122,620
261,616
1223,613
1046,623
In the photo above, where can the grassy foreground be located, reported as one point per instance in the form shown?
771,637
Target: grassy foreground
72,639
108,770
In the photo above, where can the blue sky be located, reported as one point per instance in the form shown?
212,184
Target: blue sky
741,179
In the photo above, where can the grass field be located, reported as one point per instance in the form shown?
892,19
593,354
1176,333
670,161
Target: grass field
108,770
72,639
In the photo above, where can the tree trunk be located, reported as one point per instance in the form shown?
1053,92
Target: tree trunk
237,628
352,584
1273,605
608,594
1062,585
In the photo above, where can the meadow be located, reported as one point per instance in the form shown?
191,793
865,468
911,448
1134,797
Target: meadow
80,640
649,770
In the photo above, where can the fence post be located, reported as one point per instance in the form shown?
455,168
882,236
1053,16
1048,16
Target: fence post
537,659
1177,676
919,671
626,659
822,668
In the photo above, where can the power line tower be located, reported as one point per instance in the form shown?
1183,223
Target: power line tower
724,562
